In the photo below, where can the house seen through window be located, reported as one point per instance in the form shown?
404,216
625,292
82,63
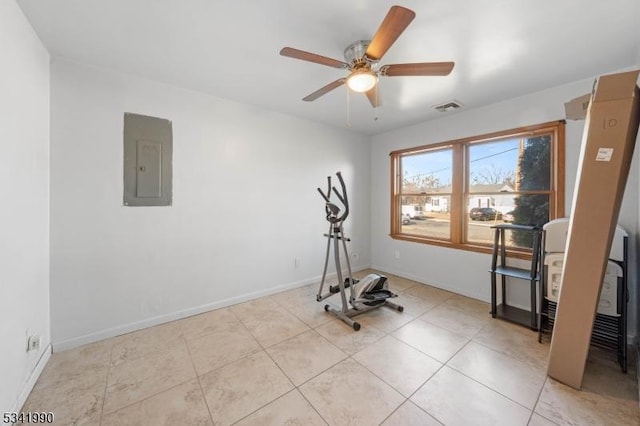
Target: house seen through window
452,193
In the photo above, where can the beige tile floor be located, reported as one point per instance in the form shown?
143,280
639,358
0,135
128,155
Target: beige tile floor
282,360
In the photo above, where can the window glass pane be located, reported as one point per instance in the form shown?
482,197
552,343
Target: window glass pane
531,209
427,217
534,173
525,210
493,167
427,172
479,223
510,165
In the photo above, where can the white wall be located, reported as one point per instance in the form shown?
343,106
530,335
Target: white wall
24,216
244,205
461,271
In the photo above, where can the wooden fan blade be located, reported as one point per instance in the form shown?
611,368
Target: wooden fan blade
323,91
312,57
374,96
425,68
397,20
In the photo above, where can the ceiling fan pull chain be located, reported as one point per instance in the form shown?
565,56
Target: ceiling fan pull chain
348,107
375,109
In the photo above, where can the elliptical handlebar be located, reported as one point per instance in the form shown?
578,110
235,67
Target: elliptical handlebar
328,194
342,196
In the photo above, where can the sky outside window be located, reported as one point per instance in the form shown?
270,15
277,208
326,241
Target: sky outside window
490,163
433,165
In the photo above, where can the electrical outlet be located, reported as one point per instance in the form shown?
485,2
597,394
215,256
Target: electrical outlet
397,254
33,343
355,256
296,262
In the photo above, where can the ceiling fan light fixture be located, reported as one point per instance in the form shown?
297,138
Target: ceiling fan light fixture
362,80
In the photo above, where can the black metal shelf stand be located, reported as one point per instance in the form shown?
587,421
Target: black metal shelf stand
499,267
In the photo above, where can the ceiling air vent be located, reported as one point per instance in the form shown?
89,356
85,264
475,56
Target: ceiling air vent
448,106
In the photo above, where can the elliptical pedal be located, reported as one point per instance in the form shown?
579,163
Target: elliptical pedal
377,296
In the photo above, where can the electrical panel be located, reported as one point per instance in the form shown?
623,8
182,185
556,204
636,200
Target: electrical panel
148,150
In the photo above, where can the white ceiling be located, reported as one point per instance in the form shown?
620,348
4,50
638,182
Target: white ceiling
229,48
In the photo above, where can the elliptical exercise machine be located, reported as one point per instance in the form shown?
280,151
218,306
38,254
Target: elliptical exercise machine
369,293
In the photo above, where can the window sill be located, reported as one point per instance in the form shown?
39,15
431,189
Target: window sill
477,248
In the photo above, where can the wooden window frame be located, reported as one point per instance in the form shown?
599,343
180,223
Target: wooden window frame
460,174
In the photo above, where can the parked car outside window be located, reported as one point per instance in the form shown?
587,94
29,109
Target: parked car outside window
484,213
414,211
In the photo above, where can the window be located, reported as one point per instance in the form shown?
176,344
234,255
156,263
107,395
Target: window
461,188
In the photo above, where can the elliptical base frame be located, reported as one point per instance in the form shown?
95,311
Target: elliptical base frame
347,316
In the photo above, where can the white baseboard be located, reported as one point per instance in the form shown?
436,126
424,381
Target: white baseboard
173,316
442,286
33,378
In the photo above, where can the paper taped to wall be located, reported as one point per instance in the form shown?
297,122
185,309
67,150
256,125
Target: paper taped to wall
576,109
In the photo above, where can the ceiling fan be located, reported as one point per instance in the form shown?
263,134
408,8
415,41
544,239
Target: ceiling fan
362,59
